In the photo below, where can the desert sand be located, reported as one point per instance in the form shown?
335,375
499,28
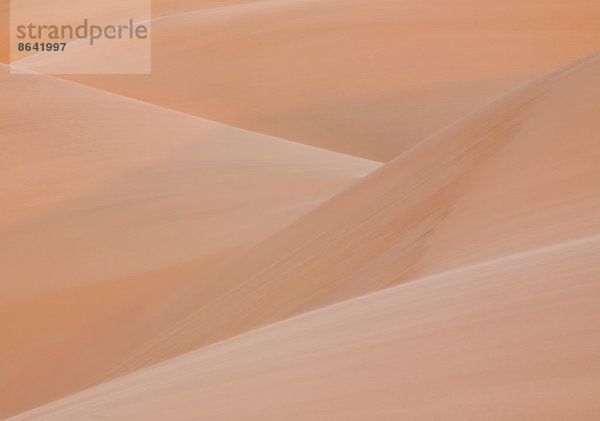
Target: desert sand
364,77
109,202
499,182
491,341
220,240
469,332
78,163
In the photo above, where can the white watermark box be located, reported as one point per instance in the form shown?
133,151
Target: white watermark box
81,36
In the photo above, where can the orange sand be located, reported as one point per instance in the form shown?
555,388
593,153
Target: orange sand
364,77
513,338
100,192
495,222
501,181
157,265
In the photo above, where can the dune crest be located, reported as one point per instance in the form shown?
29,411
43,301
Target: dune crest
474,343
470,332
365,77
108,204
159,265
499,182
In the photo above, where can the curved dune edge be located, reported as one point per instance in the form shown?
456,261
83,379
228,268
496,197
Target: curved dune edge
73,152
305,70
511,338
500,181
504,181
491,226
110,204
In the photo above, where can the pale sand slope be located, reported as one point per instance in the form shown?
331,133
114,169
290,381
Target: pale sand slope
522,173
502,181
514,338
365,77
108,204
79,164
495,220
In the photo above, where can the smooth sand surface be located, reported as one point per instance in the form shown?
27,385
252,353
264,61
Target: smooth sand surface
365,77
78,163
501,181
157,265
511,338
492,229
108,204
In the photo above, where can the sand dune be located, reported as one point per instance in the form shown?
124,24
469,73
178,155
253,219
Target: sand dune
73,156
491,227
365,77
158,265
512,338
499,182
108,204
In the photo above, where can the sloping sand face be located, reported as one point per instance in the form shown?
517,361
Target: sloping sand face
108,204
509,332
132,234
499,182
365,77
495,329
82,164
512,338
